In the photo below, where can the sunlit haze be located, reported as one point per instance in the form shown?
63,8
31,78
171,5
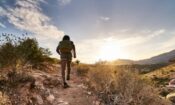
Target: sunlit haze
100,29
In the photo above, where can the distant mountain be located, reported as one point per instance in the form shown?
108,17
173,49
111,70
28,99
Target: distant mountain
123,62
162,58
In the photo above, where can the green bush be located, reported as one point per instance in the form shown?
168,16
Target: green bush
8,55
18,51
31,53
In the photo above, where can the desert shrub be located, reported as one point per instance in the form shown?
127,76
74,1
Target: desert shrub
82,70
160,81
52,60
77,62
4,99
165,91
17,51
101,62
13,78
122,87
10,83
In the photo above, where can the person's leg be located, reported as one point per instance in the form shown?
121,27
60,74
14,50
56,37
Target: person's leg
63,67
68,69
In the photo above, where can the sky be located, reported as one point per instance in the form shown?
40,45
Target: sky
100,29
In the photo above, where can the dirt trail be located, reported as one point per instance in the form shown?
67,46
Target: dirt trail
36,87
76,94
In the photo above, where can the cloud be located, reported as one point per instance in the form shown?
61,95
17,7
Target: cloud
27,15
2,11
133,37
64,2
142,37
169,44
104,18
158,32
2,25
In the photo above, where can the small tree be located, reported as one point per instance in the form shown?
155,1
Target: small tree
77,62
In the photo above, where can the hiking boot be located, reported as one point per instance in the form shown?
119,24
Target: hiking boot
68,77
65,85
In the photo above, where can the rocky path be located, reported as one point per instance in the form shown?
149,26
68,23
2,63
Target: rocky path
76,94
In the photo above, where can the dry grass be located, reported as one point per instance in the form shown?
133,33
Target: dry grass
4,99
82,69
167,71
10,79
161,77
122,87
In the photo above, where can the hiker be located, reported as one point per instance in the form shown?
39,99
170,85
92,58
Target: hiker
65,49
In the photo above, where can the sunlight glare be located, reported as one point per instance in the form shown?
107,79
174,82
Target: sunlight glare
110,51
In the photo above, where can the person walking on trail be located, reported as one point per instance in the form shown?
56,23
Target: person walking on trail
66,49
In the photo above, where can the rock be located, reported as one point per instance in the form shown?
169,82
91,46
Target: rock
39,85
65,103
52,82
62,102
171,97
89,93
30,102
172,82
97,103
46,92
82,86
37,99
50,98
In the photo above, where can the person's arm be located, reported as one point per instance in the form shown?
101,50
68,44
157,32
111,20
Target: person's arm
74,51
58,50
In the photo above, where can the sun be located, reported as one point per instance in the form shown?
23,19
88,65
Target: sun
110,51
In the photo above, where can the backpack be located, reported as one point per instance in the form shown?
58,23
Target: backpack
65,46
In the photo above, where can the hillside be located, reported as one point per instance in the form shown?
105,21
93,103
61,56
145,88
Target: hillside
123,62
167,71
161,78
162,58
36,87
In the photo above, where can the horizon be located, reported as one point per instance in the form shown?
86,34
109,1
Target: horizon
101,30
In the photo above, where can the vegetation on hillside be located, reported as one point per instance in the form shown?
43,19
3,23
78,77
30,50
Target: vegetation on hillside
117,86
19,57
161,77
17,51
